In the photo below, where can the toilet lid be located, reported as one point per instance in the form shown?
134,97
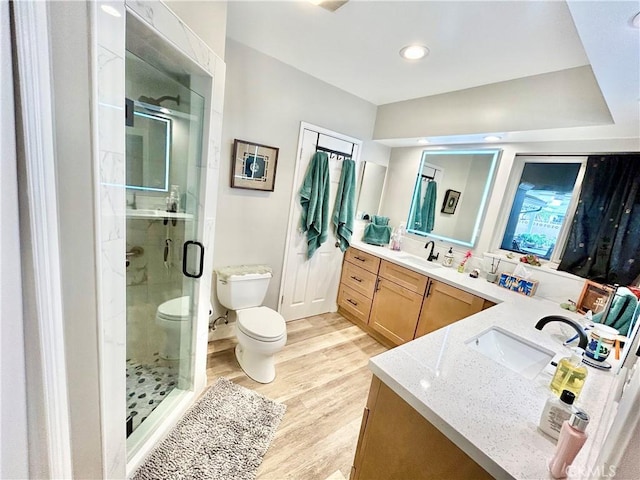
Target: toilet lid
261,323
175,309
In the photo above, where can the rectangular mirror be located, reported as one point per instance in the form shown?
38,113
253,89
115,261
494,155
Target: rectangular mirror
450,194
371,186
148,146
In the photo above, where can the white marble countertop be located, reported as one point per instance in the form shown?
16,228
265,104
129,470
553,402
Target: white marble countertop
487,410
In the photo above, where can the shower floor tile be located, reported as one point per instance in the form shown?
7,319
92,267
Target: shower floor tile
147,386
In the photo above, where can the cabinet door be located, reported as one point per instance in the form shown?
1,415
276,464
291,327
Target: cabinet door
395,312
444,305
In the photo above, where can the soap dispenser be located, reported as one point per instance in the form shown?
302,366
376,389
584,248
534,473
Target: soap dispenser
570,374
447,261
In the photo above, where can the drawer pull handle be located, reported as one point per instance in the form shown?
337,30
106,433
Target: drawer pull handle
360,259
352,302
378,283
356,278
429,289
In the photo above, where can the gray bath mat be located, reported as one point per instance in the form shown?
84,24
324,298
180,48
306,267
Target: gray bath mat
223,436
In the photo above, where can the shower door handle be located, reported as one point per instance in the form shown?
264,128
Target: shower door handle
185,252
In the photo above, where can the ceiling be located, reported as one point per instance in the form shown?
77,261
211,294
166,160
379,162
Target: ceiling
471,44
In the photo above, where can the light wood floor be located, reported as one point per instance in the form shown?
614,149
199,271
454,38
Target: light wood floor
322,377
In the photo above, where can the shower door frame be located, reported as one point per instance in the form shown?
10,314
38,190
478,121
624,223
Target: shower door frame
108,53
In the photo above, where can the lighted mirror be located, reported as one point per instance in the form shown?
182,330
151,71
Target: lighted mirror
148,146
450,194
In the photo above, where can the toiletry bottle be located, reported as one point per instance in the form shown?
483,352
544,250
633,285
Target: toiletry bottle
447,261
571,440
173,200
570,374
396,238
556,411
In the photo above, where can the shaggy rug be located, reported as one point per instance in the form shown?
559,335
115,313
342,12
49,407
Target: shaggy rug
223,436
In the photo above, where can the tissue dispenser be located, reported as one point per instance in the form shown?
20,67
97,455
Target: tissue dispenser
517,284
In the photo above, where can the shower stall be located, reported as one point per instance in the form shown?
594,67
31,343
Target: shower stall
157,96
163,145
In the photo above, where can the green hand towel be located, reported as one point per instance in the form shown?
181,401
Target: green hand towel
344,211
378,220
621,313
428,211
417,213
314,199
376,234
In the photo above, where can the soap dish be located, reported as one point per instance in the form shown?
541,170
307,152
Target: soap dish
599,365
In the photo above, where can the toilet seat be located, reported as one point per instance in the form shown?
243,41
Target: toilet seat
261,323
176,309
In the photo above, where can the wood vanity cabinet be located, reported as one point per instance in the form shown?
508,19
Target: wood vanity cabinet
444,305
397,302
396,442
357,285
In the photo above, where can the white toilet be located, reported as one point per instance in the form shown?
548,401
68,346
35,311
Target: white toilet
170,316
261,331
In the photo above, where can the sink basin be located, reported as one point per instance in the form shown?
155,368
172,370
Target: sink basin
417,261
511,351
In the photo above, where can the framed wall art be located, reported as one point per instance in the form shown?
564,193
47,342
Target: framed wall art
594,297
253,166
450,203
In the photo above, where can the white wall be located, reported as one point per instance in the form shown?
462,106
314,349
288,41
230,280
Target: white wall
265,102
207,19
71,73
14,452
568,98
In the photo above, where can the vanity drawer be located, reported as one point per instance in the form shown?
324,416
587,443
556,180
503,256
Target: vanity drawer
358,279
404,277
364,260
354,303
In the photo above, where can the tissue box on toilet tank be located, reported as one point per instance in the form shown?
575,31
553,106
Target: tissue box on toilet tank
517,284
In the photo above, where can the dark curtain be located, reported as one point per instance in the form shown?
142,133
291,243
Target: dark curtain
604,242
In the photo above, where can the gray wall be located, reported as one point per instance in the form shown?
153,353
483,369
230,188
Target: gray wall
265,101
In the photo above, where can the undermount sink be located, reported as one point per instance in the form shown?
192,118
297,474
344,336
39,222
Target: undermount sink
511,351
417,261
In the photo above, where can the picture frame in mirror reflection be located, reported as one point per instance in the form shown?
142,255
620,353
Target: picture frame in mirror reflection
253,166
450,203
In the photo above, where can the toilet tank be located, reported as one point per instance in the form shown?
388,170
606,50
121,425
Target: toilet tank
242,286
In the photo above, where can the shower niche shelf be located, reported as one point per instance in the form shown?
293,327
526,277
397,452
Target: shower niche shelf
157,214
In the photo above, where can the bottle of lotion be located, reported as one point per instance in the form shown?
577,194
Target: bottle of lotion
556,412
571,440
447,261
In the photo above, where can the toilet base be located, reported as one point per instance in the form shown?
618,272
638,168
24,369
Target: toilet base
257,366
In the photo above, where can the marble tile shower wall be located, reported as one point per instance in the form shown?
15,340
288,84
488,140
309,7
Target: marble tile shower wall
150,282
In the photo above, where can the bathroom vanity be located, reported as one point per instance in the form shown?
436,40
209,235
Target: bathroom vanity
395,303
438,406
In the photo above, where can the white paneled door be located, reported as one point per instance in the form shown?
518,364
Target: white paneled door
310,286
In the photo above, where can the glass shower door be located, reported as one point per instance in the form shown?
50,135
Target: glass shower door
163,150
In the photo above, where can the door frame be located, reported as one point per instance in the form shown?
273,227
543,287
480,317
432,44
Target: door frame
292,222
49,451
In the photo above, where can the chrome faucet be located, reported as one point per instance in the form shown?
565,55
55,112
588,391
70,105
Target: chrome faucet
431,256
557,318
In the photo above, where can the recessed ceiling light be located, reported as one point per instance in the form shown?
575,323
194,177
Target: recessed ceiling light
492,138
414,52
636,20
110,10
